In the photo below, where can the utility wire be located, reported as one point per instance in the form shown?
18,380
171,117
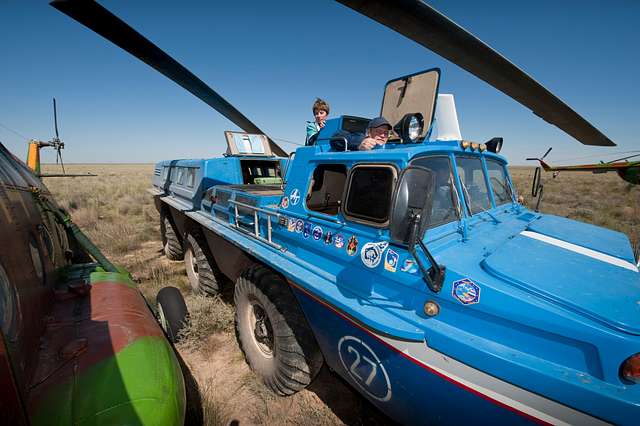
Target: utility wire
14,131
287,141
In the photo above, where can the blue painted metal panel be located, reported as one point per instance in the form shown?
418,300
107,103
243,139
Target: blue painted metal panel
415,394
583,234
598,289
548,320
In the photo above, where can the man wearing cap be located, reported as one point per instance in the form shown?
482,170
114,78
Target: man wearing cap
377,134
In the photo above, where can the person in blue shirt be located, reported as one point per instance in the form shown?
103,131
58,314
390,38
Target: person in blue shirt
320,110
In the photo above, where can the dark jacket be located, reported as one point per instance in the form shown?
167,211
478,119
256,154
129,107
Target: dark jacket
353,140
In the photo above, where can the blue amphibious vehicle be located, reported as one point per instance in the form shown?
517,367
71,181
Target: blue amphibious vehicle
410,270
417,275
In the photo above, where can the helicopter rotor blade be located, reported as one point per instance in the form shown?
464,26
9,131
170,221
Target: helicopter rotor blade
431,29
60,157
55,118
623,158
546,153
100,20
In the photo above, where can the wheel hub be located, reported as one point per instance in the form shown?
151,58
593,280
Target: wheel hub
262,330
191,265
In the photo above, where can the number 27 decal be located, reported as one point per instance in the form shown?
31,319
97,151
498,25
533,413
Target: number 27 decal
364,367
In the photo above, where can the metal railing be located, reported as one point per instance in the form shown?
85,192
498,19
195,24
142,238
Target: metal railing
256,222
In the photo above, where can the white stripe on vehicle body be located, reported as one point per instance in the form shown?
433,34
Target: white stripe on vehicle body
500,392
581,250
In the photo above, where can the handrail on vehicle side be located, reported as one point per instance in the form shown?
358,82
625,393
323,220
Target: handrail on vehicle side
256,223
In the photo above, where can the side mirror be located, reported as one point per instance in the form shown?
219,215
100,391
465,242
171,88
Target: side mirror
410,217
412,199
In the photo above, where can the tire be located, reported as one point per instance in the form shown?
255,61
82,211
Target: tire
170,242
172,312
202,271
273,333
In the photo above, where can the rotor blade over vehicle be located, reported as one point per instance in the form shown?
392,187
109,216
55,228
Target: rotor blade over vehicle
428,27
100,20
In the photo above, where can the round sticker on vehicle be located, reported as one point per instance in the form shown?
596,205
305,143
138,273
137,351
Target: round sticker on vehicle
371,253
317,233
364,368
285,203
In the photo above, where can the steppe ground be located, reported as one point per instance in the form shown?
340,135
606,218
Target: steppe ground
117,212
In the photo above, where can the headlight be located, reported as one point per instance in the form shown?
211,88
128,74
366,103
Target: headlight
410,127
494,145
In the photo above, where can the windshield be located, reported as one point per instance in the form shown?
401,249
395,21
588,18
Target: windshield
499,183
444,208
473,184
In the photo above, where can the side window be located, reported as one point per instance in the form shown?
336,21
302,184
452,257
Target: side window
180,176
191,177
326,189
444,198
499,182
369,196
165,170
473,184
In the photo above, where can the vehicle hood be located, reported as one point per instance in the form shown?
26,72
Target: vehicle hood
590,236
581,267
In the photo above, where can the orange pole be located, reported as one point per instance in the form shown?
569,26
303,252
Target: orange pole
33,156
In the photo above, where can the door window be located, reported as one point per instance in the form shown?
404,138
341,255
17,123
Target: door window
369,195
326,189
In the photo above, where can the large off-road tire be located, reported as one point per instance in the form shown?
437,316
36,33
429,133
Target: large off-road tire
202,271
170,242
273,333
172,312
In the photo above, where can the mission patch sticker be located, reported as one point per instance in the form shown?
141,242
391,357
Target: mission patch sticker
352,245
371,253
339,241
409,266
299,226
285,203
466,291
328,238
317,233
291,227
295,197
391,261
307,230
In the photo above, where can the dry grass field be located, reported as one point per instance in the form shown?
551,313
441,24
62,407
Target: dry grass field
115,210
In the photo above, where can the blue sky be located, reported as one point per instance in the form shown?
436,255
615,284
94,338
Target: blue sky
271,59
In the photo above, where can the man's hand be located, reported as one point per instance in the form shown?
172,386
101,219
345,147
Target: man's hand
321,124
367,144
